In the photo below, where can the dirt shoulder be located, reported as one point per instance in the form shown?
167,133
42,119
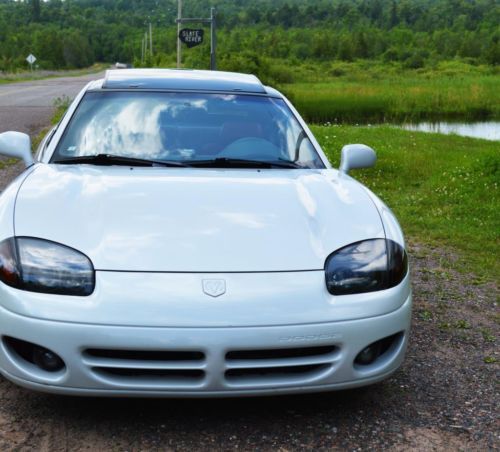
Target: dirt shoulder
443,398
8,172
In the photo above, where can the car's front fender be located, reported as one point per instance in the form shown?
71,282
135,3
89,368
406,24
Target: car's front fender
8,203
391,225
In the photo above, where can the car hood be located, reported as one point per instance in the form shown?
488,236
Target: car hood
196,220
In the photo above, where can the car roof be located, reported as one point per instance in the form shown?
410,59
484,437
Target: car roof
182,80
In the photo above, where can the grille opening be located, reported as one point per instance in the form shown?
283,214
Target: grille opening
180,374
280,353
21,348
285,371
37,355
387,342
145,355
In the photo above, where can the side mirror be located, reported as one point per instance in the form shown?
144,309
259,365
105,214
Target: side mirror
16,144
356,156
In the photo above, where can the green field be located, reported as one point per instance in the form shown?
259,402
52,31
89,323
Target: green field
41,75
443,189
364,93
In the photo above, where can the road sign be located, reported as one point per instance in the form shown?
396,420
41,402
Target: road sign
31,58
194,37
191,37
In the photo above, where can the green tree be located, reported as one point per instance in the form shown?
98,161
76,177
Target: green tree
76,50
35,10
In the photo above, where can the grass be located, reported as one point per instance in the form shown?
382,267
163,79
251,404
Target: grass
41,75
360,93
61,104
7,162
442,188
487,335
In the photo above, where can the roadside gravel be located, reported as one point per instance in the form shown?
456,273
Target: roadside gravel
445,397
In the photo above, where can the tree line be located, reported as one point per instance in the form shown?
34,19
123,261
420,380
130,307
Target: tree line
414,33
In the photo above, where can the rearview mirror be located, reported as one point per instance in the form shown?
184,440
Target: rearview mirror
16,144
356,156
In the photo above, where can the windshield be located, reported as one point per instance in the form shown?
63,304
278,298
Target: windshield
186,127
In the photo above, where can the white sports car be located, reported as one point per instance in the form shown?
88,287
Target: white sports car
181,233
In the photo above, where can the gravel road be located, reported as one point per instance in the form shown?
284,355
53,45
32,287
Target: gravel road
445,396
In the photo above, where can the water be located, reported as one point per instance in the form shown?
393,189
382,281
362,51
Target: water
489,130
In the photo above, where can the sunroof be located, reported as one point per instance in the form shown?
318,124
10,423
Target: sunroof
189,80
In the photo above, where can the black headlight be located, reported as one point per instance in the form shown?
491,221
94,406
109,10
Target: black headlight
366,266
42,266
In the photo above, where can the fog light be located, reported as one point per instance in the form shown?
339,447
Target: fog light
368,354
47,360
379,348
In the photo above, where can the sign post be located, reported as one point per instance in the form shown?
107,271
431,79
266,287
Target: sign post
179,45
194,37
31,59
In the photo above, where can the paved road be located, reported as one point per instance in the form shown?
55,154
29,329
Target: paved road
28,106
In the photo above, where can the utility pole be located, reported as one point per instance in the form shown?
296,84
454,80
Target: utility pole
213,40
150,39
142,50
179,44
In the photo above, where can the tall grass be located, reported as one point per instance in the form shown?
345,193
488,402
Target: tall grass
401,99
360,93
61,104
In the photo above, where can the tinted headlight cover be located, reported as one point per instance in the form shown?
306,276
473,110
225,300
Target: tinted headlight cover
43,266
366,266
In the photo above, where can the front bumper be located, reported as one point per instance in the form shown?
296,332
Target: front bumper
206,361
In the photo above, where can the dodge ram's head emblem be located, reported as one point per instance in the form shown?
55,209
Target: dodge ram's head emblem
214,287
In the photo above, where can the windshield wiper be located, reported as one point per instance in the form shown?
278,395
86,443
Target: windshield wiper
220,162
227,162
110,159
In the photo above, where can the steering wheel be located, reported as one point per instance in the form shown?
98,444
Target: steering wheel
251,148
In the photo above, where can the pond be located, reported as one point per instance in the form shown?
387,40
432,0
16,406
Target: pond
488,130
